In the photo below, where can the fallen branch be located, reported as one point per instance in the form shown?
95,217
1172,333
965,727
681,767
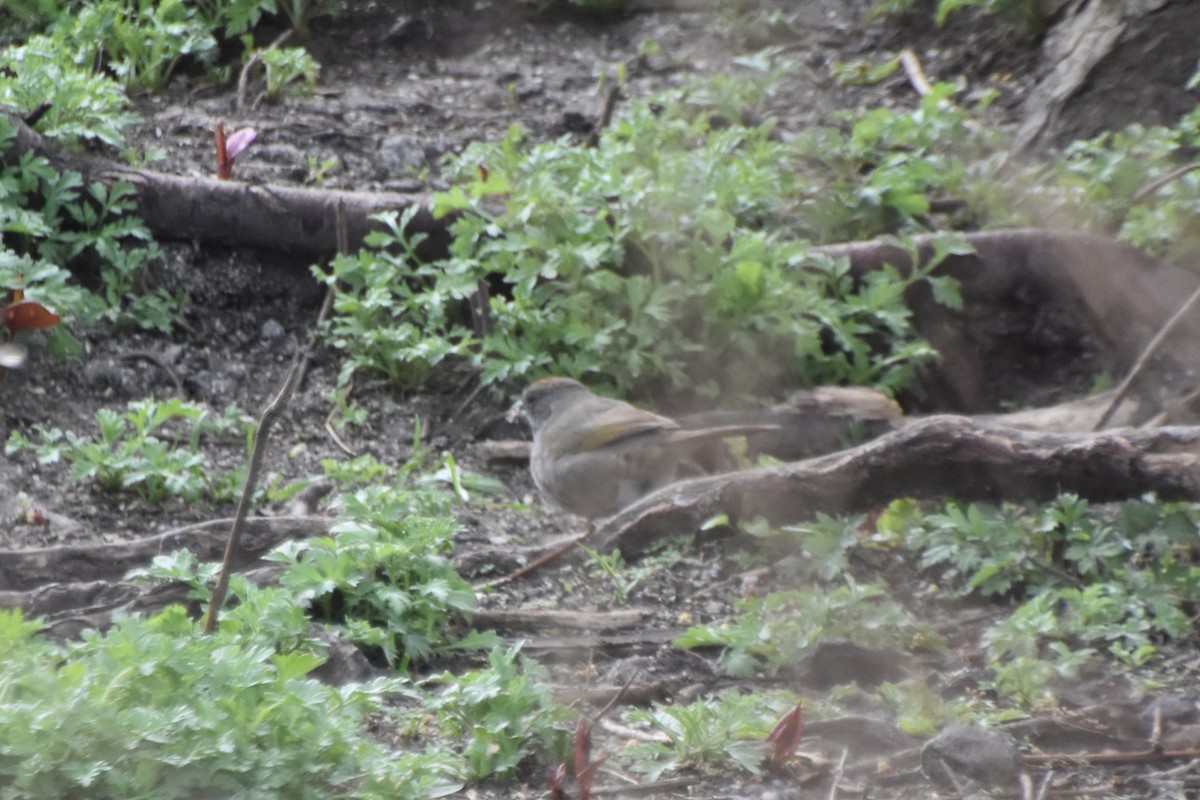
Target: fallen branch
602,642
234,214
98,561
1088,281
1143,757
1074,46
541,618
940,456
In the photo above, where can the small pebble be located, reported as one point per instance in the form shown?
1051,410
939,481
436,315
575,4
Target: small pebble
272,331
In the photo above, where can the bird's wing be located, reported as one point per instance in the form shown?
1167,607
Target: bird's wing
685,435
621,422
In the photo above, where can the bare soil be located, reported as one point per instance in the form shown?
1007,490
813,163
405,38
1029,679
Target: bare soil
402,85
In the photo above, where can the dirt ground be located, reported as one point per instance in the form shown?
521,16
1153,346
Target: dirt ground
404,83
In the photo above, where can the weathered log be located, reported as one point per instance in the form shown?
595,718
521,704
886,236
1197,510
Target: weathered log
1113,296
287,219
66,609
98,561
1074,48
1062,290
541,618
941,456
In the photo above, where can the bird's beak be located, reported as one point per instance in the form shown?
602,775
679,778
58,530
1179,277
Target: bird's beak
12,355
516,412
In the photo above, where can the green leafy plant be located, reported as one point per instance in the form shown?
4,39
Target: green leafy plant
1100,614
922,711
503,715
712,734
389,311
1014,550
235,17
1025,17
140,41
1101,184
301,12
79,105
1021,18
51,220
1086,581
621,263
877,172
773,632
320,169
626,578
32,13
154,708
285,66
820,548
131,454
382,579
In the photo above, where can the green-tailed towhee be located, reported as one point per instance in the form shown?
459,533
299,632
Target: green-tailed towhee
592,455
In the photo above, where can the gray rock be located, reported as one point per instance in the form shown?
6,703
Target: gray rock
980,754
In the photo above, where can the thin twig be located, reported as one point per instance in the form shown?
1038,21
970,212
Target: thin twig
265,422
646,788
616,698
343,246
606,115
1144,359
1045,784
837,773
1169,413
1161,181
470,399
156,360
920,83
1181,769
1139,757
333,434
537,563
256,58
342,226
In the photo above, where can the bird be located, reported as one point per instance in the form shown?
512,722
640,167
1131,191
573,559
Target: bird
592,456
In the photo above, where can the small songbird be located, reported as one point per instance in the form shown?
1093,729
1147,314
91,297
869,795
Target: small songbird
593,456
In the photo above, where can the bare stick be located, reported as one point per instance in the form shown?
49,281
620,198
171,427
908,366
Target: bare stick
332,431
916,75
1144,358
606,114
256,58
538,563
920,83
646,788
265,422
1158,183
838,772
1143,757
343,246
1043,786
1170,412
